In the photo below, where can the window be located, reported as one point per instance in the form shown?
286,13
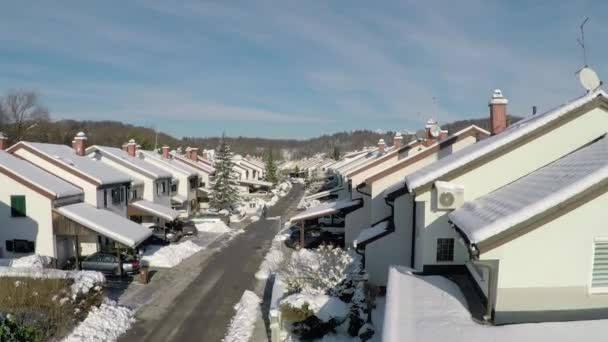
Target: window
158,189
18,206
134,194
20,246
193,183
117,196
173,187
164,188
445,249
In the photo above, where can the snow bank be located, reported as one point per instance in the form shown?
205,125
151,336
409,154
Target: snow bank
211,226
325,307
242,323
32,261
254,218
83,281
171,255
271,264
103,324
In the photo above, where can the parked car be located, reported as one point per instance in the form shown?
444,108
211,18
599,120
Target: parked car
186,227
107,263
313,238
331,220
166,234
153,240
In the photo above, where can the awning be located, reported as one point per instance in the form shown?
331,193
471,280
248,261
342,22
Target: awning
370,233
328,208
204,191
106,223
156,209
179,199
324,193
255,182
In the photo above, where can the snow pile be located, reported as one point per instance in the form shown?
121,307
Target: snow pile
83,281
272,262
103,324
242,323
211,226
283,189
32,261
324,307
171,255
254,218
272,201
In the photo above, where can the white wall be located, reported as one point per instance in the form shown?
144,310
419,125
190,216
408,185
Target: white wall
357,220
36,226
119,208
505,169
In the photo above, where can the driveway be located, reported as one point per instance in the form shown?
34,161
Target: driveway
203,309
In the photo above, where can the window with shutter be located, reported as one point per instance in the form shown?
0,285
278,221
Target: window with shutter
18,206
599,277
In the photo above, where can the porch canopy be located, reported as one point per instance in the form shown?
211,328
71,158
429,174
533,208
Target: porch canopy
179,199
103,222
372,233
256,182
328,208
155,209
324,193
204,191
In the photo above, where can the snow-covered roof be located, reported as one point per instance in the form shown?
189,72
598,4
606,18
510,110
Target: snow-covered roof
37,177
324,193
117,154
255,182
380,158
106,223
476,151
371,232
197,165
156,209
327,208
534,193
179,199
174,165
90,167
432,308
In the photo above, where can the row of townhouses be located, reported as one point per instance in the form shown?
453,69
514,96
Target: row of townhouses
517,211
67,202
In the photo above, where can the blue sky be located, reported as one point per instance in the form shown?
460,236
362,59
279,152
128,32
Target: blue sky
294,68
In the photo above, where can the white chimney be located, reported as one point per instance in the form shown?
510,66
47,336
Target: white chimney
381,146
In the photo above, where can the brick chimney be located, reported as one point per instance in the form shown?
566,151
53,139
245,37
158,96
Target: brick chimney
381,146
398,140
131,147
194,154
80,143
124,147
429,139
165,151
498,112
187,153
3,141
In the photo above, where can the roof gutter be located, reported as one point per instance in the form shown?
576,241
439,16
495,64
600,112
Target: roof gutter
471,247
361,186
360,249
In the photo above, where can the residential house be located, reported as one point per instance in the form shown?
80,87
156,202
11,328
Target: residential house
426,197
185,180
204,170
150,192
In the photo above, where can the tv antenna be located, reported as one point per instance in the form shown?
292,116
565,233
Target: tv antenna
581,41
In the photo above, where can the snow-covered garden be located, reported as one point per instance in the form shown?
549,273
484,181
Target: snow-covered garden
41,304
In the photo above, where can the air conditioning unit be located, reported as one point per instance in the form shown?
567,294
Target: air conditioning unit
449,195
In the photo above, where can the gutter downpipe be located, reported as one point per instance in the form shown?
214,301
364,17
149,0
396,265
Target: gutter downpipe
413,249
360,186
474,256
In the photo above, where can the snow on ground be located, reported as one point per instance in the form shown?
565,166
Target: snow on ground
84,281
324,307
254,218
242,323
432,308
171,255
271,264
103,324
32,261
211,226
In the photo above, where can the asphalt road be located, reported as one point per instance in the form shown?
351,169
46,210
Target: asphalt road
203,310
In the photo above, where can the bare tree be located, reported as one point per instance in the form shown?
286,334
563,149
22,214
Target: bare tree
22,111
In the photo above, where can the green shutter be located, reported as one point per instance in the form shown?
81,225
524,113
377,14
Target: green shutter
18,206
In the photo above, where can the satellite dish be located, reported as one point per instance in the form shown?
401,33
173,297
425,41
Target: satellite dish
589,79
435,130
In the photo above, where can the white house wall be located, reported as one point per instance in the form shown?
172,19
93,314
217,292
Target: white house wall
549,268
36,226
505,169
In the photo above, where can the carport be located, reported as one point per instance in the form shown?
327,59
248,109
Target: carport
328,208
84,221
140,207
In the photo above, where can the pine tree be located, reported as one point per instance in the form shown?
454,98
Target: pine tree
271,168
225,193
336,153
